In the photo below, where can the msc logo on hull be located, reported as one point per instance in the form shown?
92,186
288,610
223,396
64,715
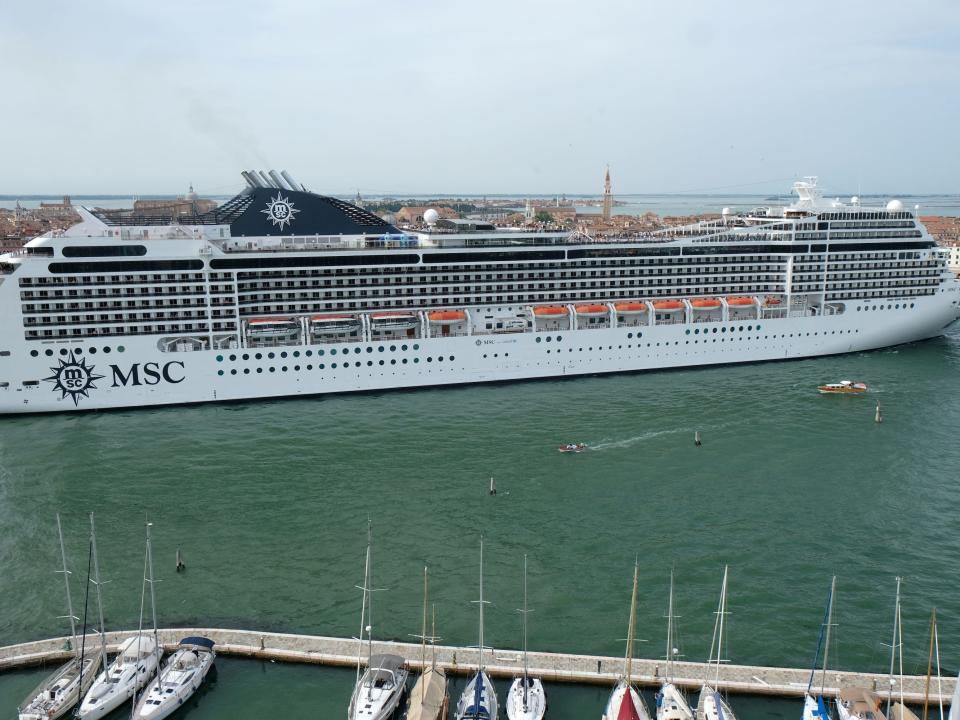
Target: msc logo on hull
150,373
76,378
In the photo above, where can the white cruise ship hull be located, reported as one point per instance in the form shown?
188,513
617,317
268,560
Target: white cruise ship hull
141,375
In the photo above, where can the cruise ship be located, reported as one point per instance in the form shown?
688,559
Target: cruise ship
283,292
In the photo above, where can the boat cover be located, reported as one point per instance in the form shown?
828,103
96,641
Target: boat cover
199,641
426,698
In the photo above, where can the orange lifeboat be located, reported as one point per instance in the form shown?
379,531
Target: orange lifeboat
550,311
705,303
740,301
591,310
446,317
631,308
771,300
668,306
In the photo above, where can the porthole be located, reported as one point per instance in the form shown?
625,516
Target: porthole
393,361
220,372
320,353
283,354
120,348
356,351
259,370
505,355
416,346
284,368
245,356
687,331
246,371
333,366
106,350
333,351
393,348
296,353
430,359
233,372
380,349
539,339
369,363
559,338
34,353
321,366
370,349
297,368
93,351
273,369
258,356
48,352
404,361
270,356
416,360
309,353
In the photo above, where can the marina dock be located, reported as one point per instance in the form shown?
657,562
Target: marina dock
503,663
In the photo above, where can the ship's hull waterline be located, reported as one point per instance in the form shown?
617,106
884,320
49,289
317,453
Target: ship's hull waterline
135,373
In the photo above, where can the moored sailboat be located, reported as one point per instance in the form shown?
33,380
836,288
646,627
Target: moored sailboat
671,702
479,698
625,702
428,699
184,671
814,707
526,699
711,706
61,690
377,692
131,668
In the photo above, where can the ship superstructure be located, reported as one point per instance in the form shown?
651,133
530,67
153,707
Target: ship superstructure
281,291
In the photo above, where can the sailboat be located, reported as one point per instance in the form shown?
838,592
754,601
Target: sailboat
625,702
814,708
671,702
526,699
479,699
899,710
184,671
429,694
862,703
59,692
131,668
934,652
711,706
378,691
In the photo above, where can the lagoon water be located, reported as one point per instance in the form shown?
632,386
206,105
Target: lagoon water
269,502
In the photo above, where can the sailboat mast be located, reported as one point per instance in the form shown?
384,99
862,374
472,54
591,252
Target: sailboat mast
936,645
926,687
143,596
723,612
96,582
368,591
826,645
66,580
893,646
669,655
525,665
480,662
433,639
423,627
153,607
631,625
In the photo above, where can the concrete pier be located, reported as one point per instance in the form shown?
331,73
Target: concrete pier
554,667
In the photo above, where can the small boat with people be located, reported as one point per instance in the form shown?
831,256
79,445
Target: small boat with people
572,447
844,387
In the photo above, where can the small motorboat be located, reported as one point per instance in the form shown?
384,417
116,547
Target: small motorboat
843,387
572,447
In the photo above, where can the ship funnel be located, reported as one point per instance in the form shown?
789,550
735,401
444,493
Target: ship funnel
265,179
279,181
252,180
293,183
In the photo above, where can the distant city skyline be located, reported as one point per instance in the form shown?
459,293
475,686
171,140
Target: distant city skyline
508,98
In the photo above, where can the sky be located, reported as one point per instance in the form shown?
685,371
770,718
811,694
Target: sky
499,96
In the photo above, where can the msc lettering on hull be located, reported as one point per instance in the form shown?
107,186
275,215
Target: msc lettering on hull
150,373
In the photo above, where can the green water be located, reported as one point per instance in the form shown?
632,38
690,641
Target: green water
269,501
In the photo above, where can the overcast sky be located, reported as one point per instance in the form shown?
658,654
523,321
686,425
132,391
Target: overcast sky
495,96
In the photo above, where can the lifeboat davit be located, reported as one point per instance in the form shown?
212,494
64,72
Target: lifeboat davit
771,300
705,303
591,310
668,306
550,311
446,317
630,308
740,301
269,320
323,324
393,321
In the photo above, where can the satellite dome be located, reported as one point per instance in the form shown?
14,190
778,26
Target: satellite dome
894,206
855,200
431,216
726,211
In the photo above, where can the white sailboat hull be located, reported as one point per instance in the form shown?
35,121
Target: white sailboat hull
179,686
621,694
61,690
116,686
531,708
476,705
672,705
712,707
